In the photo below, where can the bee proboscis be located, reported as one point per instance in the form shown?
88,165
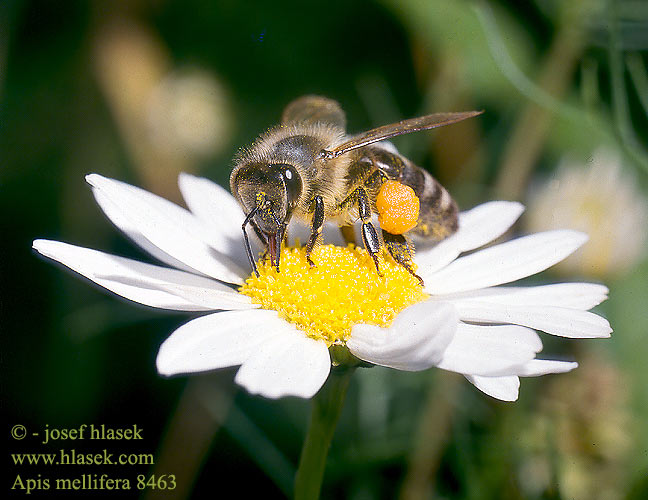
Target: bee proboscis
307,167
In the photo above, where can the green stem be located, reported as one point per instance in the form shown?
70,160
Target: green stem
327,406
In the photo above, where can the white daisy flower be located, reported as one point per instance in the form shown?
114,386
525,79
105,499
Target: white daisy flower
278,327
601,198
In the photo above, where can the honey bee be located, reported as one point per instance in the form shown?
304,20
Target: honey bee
307,167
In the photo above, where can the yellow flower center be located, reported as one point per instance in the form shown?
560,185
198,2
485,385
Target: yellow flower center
342,290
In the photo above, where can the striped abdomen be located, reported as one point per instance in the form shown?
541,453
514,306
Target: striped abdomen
438,213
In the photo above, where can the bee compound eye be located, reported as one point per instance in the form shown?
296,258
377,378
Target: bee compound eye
293,183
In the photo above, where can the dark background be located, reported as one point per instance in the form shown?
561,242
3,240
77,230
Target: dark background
77,90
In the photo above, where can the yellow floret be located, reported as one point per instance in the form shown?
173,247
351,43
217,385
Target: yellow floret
342,290
398,207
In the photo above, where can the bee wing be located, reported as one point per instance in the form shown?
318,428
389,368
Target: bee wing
314,109
394,129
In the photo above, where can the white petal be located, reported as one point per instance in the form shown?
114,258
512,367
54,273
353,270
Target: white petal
220,217
559,321
503,388
504,263
430,260
490,350
487,221
477,227
415,341
537,367
582,296
217,340
224,299
167,226
114,213
212,204
289,364
147,284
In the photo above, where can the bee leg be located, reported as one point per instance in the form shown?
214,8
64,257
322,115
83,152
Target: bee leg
369,235
316,227
400,248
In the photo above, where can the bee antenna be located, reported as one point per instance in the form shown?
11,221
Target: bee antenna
325,154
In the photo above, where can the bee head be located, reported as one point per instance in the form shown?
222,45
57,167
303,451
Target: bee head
270,191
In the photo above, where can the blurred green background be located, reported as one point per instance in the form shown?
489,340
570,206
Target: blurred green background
141,90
